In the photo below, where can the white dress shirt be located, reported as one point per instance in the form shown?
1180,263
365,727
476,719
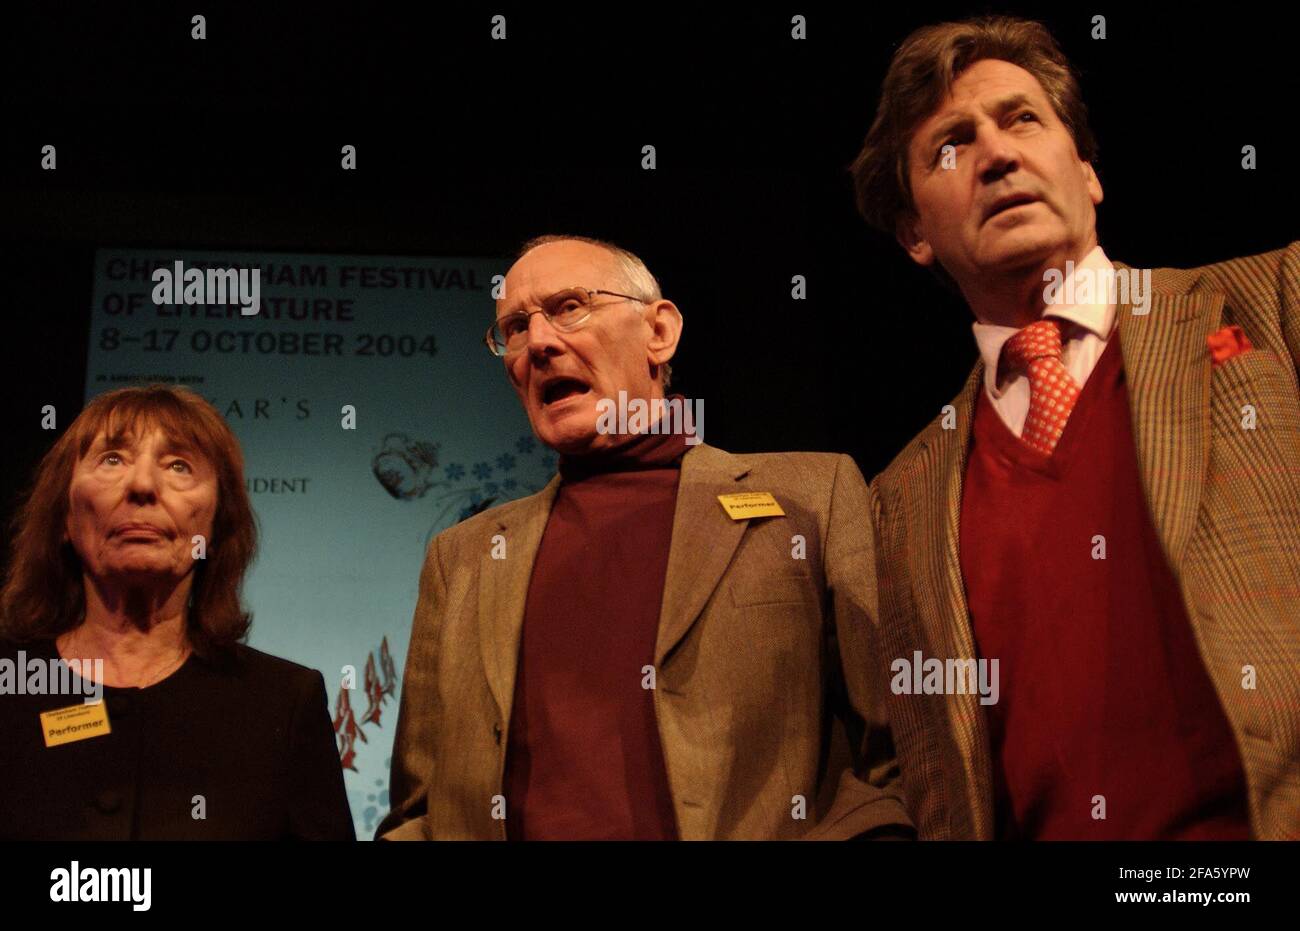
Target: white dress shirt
1083,339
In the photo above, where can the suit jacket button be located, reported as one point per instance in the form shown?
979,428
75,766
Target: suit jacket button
108,801
496,731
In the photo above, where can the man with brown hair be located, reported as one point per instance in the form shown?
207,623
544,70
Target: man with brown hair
1109,511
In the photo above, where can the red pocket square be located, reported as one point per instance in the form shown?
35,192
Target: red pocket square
1226,343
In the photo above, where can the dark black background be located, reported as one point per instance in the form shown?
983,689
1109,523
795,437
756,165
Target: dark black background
468,146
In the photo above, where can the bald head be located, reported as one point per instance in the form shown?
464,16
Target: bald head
635,276
623,346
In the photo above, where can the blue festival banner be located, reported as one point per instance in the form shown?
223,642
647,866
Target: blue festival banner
346,502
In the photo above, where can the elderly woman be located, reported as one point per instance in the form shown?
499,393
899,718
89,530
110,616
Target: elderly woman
128,557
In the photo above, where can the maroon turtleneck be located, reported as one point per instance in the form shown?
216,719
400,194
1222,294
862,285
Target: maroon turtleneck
583,758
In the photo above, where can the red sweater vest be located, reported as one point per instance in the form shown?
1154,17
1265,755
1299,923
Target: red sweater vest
1102,689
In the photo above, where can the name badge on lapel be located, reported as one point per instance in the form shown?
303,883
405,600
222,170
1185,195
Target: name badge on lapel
78,722
750,504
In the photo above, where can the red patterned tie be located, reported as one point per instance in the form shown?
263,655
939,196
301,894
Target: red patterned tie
1036,350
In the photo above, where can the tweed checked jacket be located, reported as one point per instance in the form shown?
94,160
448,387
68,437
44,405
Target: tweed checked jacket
1224,501
755,649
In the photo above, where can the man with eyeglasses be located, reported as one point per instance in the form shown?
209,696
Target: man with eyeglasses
658,644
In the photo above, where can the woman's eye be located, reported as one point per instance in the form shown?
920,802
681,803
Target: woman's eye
180,466
1032,116
110,459
939,153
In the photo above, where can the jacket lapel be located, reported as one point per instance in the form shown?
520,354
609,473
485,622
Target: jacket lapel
941,602
1167,369
503,592
703,542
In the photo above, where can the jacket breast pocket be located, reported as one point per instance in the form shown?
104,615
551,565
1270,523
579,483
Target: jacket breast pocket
1254,391
1248,367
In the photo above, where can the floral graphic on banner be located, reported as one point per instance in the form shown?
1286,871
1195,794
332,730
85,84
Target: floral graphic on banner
412,472
408,470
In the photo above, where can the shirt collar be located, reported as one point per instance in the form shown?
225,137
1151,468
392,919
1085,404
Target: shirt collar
1096,317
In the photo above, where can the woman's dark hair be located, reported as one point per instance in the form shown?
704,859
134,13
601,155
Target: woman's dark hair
43,594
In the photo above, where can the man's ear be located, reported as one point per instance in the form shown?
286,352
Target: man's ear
907,230
1093,182
666,329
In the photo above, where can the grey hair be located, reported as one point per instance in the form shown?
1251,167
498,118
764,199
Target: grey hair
640,283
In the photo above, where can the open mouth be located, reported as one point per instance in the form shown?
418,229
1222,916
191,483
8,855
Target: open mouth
562,389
